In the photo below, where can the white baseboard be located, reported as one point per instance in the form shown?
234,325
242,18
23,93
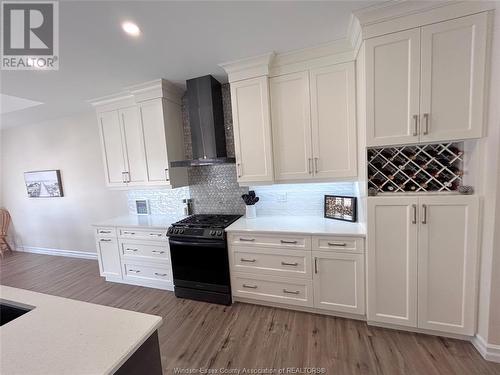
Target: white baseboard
58,252
490,352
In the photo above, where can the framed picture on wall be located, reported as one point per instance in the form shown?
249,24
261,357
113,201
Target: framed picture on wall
340,208
43,184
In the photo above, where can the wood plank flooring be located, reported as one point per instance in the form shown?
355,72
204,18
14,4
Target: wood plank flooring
198,335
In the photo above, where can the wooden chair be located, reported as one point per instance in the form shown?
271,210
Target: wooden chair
4,228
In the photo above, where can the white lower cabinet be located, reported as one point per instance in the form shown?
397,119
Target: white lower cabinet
138,256
422,262
322,273
339,281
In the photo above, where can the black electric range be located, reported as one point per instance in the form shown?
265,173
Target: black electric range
200,262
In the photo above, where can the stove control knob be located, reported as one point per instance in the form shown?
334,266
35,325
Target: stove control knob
181,231
212,233
219,233
176,231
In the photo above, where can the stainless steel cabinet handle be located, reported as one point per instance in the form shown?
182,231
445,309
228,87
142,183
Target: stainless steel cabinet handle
315,265
291,292
155,234
309,165
415,129
426,119
160,274
289,242
250,286
338,244
248,260
130,249
105,231
247,239
414,220
105,240
424,214
123,177
316,165
289,264
128,176
167,175
158,252
136,271
238,169
125,232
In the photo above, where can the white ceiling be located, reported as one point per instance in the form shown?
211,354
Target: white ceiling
180,40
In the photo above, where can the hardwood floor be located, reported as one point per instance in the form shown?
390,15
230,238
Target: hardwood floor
200,335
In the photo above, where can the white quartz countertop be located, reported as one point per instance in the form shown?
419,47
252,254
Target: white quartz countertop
146,221
64,336
298,224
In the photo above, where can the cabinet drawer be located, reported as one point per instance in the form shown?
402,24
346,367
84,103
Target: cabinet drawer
274,240
288,263
105,232
141,250
149,234
340,244
136,271
273,289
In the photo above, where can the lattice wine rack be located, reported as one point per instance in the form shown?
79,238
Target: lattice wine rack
416,168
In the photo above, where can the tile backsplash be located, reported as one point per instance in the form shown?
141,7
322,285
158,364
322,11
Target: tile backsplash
214,189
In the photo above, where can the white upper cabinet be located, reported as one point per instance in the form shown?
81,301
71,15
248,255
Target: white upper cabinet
392,88
427,84
452,78
422,262
314,124
290,118
139,139
447,264
112,147
133,145
333,120
252,130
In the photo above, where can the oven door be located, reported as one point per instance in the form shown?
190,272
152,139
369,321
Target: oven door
200,264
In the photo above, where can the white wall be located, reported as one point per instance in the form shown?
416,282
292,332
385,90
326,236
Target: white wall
489,297
71,145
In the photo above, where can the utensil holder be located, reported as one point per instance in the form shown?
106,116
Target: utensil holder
250,212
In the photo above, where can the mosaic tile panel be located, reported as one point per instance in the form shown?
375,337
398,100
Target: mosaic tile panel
214,190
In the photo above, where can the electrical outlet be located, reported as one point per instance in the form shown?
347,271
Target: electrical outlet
281,197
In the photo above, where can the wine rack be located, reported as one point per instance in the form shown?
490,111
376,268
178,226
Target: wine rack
416,168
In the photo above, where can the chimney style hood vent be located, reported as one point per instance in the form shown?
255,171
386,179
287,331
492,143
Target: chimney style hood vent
206,119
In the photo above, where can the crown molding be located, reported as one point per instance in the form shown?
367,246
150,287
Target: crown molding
250,67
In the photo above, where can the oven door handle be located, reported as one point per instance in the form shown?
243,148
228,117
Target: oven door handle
201,243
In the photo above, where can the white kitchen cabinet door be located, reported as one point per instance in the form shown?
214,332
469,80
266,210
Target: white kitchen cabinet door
392,88
133,145
108,256
291,125
112,148
252,130
392,260
452,78
447,263
153,127
339,281
333,120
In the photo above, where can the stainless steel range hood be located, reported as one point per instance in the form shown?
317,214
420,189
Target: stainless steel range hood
206,119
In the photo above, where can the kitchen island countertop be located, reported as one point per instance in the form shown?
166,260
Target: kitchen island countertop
65,336
308,225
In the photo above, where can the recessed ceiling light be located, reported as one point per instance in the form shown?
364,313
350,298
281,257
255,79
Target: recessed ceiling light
131,28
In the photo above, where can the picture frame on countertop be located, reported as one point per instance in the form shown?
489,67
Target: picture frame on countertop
339,207
44,184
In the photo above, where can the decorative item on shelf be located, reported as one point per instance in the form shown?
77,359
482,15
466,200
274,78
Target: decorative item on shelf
466,190
372,192
250,199
340,208
416,168
142,207
43,184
